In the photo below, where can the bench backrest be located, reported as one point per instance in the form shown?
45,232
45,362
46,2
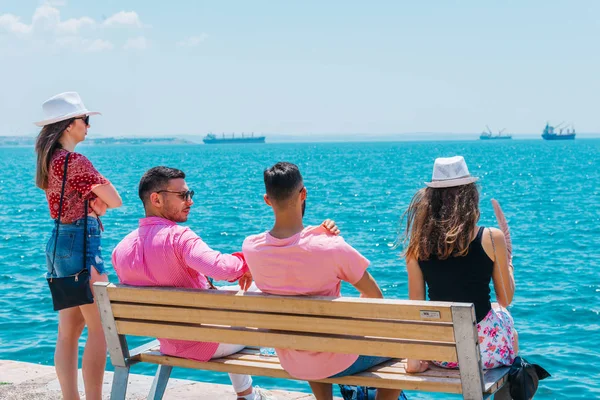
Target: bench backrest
379,327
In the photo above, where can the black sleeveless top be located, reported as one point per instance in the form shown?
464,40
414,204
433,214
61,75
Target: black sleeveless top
461,279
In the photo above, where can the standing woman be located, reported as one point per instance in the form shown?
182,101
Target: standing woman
66,124
457,260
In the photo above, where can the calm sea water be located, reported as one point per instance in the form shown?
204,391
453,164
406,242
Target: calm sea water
549,191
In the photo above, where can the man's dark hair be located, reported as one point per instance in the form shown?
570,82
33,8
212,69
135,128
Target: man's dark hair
156,179
282,180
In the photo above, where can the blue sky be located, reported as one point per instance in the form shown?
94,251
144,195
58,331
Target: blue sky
305,67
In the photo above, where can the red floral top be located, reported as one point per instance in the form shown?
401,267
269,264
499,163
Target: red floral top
82,178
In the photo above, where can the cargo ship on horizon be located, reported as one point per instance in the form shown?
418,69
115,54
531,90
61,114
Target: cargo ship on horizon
490,136
211,138
550,132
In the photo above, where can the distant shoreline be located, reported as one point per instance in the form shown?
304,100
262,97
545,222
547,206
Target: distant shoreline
20,141
29,141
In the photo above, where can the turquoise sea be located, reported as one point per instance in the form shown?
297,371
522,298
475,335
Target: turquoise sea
550,192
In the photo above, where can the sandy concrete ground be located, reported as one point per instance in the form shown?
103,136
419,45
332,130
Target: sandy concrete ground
26,381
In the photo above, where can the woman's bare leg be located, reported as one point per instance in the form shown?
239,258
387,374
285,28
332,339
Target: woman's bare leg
70,326
94,355
322,391
387,394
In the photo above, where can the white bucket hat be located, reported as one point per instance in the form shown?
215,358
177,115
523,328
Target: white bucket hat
450,172
62,107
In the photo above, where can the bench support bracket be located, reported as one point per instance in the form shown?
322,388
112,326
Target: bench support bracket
117,344
159,385
469,357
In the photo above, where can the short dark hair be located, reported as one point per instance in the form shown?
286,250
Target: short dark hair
157,178
281,180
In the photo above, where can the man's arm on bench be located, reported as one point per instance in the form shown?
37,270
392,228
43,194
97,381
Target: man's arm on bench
368,288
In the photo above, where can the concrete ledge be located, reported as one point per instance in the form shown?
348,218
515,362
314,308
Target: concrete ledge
27,381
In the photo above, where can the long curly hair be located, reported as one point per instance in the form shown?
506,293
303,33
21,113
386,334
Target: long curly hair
440,222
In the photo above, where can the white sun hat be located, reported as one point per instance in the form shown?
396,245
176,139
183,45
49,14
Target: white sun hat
62,107
450,172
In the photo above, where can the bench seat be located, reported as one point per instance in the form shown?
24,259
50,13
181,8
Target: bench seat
390,374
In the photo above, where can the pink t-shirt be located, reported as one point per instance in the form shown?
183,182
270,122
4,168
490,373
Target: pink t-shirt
310,263
162,253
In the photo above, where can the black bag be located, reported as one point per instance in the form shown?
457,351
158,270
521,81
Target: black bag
523,379
73,290
352,392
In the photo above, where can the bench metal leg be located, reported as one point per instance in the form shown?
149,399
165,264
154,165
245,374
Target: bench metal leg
119,385
503,393
160,382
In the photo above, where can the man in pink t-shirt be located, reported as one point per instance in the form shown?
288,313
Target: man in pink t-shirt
162,253
292,259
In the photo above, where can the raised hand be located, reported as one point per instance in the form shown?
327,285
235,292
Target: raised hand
330,225
245,281
99,206
503,224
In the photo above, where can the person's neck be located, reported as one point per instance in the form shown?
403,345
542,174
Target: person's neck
68,145
286,225
155,213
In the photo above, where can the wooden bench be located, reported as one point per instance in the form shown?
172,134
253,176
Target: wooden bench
390,328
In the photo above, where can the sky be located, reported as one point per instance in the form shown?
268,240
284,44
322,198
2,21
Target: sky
301,68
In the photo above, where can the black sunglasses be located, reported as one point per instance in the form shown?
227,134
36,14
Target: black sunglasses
186,195
85,119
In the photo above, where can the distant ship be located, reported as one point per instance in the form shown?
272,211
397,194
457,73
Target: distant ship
213,139
490,136
550,132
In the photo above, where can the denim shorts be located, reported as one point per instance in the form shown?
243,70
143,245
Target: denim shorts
69,249
361,364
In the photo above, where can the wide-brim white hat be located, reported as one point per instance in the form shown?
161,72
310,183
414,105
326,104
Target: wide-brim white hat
450,172
62,107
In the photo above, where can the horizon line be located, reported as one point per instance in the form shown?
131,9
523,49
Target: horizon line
337,134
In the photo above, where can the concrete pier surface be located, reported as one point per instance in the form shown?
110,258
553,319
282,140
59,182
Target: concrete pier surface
27,381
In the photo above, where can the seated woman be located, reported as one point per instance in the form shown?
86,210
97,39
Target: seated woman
457,259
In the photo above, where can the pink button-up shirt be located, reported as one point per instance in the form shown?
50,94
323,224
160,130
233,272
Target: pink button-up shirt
310,263
162,253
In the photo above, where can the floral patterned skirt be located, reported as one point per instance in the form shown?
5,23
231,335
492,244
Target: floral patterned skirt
496,334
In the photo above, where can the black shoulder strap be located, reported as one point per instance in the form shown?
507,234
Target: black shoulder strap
60,205
85,233
480,233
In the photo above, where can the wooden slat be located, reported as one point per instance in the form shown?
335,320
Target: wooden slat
376,379
324,306
252,357
298,341
409,382
391,367
493,379
423,331
432,372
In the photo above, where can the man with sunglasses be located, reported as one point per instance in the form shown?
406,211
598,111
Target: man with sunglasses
162,253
